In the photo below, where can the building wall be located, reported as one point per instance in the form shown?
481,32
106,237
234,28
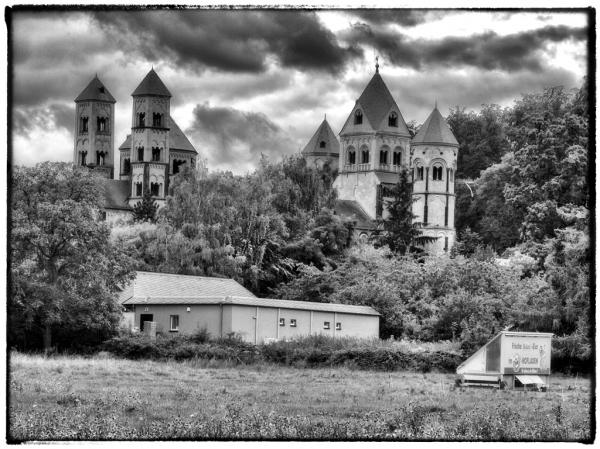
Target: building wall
240,319
199,316
360,187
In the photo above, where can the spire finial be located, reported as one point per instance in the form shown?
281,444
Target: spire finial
376,64
326,116
436,104
96,74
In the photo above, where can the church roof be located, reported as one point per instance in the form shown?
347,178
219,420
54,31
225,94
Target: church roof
116,193
351,209
96,90
152,85
177,139
435,130
376,101
323,134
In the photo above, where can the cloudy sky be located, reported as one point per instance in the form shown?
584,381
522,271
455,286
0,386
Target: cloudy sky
260,81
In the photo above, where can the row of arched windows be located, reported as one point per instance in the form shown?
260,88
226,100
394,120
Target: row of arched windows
384,156
437,172
158,119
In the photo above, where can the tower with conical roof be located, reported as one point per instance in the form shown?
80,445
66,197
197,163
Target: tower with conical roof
374,145
433,155
156,147
322,146
95,128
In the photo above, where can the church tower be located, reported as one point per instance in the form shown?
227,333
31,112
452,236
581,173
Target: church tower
433,154
150,131
375,143
95,128
322,146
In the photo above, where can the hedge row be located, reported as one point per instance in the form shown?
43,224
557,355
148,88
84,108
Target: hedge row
369,358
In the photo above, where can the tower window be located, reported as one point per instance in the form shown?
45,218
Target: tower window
102,124
83,158
126,166
84,124
154,189
419,173
140,154
141,119
352,157
437,172
383,154
156,154
393,120
138,189
100,157
322,144
358,117
365,157
101,89
157,119
397,158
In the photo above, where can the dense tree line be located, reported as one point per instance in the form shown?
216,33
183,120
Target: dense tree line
524,197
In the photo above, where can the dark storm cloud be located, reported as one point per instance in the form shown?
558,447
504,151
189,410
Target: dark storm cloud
234,137
52,117
402,17
234,41
487,51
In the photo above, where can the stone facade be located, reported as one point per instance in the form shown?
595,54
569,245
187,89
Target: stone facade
375,145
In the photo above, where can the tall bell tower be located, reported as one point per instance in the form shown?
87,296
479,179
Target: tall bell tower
150,139
95,128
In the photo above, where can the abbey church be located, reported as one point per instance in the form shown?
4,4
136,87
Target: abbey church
375,144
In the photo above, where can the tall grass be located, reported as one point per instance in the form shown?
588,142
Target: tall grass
74,398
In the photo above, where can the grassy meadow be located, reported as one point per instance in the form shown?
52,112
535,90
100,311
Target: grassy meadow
100,398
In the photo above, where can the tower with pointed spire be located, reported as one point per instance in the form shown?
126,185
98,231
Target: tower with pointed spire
322,146
375,145
433,155
95,128
156,147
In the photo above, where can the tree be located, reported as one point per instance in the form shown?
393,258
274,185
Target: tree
146,209
64,270
400,232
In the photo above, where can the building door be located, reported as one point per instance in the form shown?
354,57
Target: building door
145,317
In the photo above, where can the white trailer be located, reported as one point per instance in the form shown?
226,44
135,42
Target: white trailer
520,359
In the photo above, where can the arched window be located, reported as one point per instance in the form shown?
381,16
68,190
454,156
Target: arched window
419,173
83,158
364,157
126,166
393,120
141,119
351,157
156,154
437,172
138,189
83,124
154,189
102,124
322,144
140,153
176,164
358,117
100,157
397,158
383,156
157,119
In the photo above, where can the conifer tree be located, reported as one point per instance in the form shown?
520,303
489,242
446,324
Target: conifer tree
146,209
400,232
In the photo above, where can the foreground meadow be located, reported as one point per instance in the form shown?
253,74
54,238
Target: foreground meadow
72,398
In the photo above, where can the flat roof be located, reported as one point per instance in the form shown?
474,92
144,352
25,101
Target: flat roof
250,301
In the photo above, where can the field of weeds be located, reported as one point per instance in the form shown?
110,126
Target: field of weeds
72,398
